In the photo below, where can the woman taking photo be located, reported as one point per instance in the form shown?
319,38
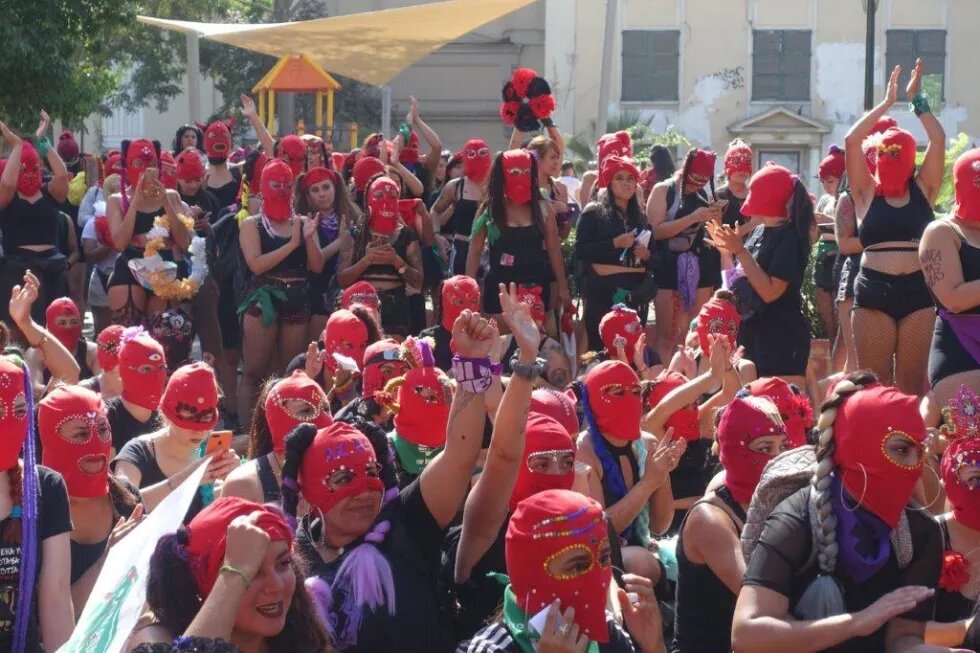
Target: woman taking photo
280,249
519,230
950,256
768,273
892,307
710,564
323,198
373,562
229,575
385,252
617,264
843,564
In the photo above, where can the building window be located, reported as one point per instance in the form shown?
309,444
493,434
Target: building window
650,63
789,159
904,46
781,65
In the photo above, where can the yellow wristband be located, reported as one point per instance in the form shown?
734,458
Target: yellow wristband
236,570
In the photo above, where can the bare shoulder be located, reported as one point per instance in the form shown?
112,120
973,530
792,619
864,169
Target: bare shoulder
244,482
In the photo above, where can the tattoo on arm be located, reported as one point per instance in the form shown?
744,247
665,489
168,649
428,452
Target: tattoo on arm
932,266
413,275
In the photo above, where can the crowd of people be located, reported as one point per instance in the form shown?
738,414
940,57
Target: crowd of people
469,401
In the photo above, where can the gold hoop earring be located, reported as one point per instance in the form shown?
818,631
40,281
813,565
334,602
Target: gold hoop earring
863,491
939,491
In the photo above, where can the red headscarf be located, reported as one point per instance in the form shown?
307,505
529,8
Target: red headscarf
559,406
378,354
738,158
620,322
618,144
966,504
83,460
544,526
293,152
832,166
865,422
344,334
365,168
543,436
319,174
360,292
770,191
966,185
189,166
614,399
717,316
108,346
459,293
745,420
142,369
280,411
476,159
207,536
684,421
338,446
793,407
895,162
64,308
382,203
190,400
613,164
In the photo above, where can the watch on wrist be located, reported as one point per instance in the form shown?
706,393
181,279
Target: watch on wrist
527,371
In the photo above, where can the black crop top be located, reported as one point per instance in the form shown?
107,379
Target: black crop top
594,237
464,212
144,221
385,271
884,222
25,223
295,262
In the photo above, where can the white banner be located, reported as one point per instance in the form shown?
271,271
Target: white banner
117,599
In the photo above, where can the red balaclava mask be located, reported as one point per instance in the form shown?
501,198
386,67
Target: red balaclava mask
545,526
966,185
620,322
217,140
738,158
361,292
292,401
614,399
366,168
64,322
770,191
793,407
702,167
865,422
80,455
459,293
895,162
168,170
108,344
143,370
962,494
531,296
277,191
422,404
29,178
382,202
191,398
559,406
717,316
745,420
684,421
140,155
339,446
207,536
543,436
13,412
189,166
832,166
293,152
379,354
476,160
517,175
113,165
344,334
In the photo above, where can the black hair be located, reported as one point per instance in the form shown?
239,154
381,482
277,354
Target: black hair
259,435
497,203
685,171
342,202
297,442
178,148
662,162
364,314
635,216
802,216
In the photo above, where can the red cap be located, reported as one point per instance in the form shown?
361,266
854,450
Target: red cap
613,164
770,191
365,168
832,166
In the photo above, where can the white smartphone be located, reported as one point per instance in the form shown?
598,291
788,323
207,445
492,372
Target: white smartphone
644,238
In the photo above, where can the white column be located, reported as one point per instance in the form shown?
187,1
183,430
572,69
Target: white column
193,79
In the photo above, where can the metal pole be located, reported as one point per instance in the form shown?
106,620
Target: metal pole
193,78
605,72
871,7
386,111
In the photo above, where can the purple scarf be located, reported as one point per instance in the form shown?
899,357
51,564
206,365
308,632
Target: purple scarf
863,540
966,328
688,275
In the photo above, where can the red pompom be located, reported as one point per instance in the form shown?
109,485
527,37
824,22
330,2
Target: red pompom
508,112
521,79
102,232
955,573
543,106
509,94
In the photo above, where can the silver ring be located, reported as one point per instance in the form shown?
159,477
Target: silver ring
563,629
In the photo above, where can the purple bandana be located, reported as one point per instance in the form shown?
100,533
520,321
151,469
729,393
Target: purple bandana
688,275
863,540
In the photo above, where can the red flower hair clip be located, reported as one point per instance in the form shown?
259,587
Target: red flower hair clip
955,573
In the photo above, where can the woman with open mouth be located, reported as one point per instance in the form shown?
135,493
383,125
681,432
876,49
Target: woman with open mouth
228,582
76,441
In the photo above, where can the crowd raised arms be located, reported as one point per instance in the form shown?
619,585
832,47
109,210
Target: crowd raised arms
410,399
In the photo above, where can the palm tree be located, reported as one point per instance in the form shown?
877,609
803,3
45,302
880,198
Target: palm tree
581,150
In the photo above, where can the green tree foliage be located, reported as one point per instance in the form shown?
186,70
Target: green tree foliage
581,150
957,146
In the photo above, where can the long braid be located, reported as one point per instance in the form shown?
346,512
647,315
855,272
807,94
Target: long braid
297,442
28,549
823,597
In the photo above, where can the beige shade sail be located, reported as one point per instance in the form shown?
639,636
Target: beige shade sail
372,47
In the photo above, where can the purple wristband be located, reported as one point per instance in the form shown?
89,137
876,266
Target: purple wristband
474,375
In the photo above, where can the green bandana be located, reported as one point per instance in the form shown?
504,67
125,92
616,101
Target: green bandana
483,221
517,624
264,297
413,457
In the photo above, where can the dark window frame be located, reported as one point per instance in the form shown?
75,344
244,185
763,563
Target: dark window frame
775,76
920,48
642,79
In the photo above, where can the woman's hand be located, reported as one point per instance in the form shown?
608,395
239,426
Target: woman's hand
561,634
220,466
296,236
517,315
663,459
639,362
309,227
12,139
314,360
720,357
413,110
915,81
641,613
473,335
724,238
248,106
888,607
246,545
891,91
124,526
622,241
640,253
42,127
22,298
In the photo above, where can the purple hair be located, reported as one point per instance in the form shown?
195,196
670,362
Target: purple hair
28,547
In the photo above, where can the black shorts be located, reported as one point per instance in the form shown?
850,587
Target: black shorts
709,273
228,320
779,346
823,273
395,313
294,309
461,249
898,295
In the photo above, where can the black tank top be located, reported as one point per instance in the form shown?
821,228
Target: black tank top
704,605
519,253
144,221
25,223
464,213
618,453
884,222
81,357
228,193
294,264
267,478
970,262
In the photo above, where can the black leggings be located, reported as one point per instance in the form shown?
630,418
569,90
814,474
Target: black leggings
898,295
599,293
